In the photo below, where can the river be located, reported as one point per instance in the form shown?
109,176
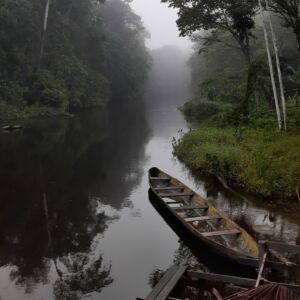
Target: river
75,218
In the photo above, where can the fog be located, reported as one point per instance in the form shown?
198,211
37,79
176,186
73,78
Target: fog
169,78
160,21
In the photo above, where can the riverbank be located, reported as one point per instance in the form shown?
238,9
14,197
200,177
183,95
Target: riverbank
264,161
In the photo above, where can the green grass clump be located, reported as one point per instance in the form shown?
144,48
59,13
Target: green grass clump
263,161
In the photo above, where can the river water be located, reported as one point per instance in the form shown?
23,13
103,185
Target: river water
75,218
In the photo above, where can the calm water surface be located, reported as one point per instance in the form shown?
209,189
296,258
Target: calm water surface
75,219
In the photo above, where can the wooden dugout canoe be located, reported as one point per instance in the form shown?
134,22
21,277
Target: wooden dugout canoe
211,227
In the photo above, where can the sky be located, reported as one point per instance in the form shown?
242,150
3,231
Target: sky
160,21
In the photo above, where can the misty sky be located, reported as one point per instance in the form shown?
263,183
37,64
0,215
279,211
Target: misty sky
160,22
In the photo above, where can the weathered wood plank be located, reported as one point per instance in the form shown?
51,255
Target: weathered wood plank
247,282
168,188
160,178
177,195
190,207
161,284
174,202
217,233
203,218
172,283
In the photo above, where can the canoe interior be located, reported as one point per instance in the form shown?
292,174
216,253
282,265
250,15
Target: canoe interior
209,223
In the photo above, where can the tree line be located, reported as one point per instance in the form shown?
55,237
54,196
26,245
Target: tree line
58,56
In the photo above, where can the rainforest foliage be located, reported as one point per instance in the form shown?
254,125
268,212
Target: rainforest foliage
69,57
233,107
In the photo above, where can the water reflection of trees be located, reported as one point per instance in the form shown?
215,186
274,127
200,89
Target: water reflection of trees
81,280
262,219
80,164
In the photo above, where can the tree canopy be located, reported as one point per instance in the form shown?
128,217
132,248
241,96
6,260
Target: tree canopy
235,17
90,49
288,10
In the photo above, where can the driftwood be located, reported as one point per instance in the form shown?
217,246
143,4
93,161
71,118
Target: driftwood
12,127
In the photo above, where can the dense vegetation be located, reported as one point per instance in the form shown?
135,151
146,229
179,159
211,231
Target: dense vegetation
234,103
71,56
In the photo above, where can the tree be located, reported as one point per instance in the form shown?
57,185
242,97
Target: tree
44,30
58,56
289,11
271,66
235,17
279,73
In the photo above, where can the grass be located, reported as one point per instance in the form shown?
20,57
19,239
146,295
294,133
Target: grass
262,161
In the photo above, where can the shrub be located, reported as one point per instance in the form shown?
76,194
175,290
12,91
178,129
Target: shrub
198,111
48,91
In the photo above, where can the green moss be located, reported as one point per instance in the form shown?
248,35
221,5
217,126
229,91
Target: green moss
263,161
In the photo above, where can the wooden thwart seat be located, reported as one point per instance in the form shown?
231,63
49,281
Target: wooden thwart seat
168,188
203,218
218,233
176,195
190,207
160,178
174,202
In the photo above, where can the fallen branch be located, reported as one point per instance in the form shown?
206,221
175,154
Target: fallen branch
298,194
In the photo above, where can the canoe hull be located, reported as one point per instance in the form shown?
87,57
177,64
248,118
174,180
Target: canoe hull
217,248
229,255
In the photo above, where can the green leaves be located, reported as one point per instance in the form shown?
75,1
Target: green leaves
90,49
235,17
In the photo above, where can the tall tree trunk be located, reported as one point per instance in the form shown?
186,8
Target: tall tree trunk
283,100
44,30
271,67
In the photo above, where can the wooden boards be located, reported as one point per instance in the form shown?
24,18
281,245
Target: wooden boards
165,286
